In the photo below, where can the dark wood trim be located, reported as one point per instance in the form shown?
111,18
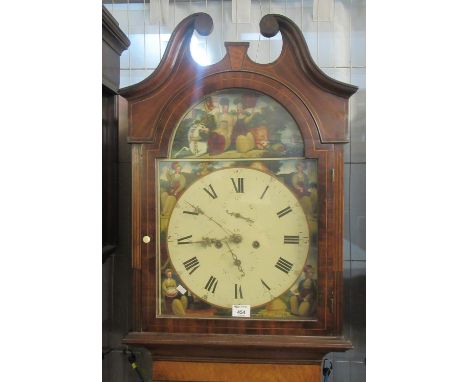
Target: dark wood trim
107,251
114,42
237,348
112,34
146,272
136,238
110,178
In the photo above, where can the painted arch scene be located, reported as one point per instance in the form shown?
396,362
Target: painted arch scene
237,123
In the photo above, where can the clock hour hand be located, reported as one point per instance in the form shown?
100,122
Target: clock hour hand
239,216
209,241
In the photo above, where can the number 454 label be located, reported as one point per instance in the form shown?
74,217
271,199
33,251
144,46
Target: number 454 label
241,311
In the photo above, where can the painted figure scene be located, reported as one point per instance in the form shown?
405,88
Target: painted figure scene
300,176
237,124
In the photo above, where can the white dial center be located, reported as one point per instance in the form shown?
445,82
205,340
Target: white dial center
238,236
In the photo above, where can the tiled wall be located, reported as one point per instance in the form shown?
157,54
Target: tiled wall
335,33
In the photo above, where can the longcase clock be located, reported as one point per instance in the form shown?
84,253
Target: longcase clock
237,211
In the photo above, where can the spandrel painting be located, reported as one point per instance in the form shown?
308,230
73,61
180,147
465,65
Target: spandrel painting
215,217
237,123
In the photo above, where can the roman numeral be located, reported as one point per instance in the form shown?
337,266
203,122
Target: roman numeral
183,240
212,193
191,212
291,239
284,211
283,265
265,284
237,291
239,187
212,283
191,264
261,197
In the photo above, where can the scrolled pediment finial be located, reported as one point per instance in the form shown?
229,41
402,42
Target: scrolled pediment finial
203,24
269,26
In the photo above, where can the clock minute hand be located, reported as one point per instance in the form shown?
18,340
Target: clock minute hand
237,262
198,209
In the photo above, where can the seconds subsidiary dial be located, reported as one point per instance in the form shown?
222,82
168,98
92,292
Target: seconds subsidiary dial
238,236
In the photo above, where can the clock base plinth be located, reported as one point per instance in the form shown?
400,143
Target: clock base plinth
252,372
212,357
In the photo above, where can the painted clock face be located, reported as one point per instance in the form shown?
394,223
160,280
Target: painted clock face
238,236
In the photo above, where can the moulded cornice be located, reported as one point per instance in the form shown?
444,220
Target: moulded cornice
112,34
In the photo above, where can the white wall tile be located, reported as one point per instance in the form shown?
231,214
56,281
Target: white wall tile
343,74
325,56
215,43
294,11
124,62
275,49
358,33
338,40
324,10
137,44
137,16
357,107
311,38
341,33
277,7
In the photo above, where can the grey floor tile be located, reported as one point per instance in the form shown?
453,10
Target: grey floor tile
106,289
357,207
341,372
358,339
347,148
357,113
357,372
115,368
358,295
346,226
354,312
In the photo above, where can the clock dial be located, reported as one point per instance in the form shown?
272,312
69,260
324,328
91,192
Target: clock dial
238,236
